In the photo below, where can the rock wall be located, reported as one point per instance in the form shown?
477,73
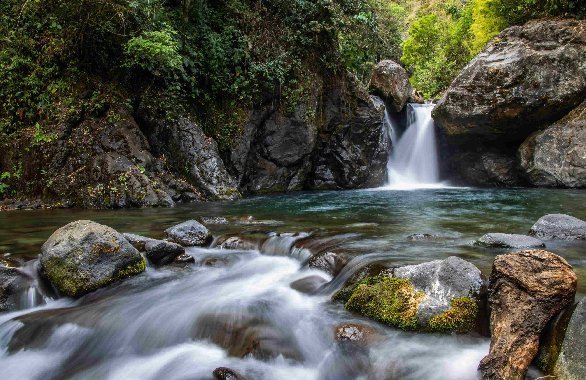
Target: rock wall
338,142
527,78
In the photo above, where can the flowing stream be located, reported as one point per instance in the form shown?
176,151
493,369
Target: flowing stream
239,309
413,162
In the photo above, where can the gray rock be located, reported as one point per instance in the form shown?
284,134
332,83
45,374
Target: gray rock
236,242
559,226
421,237
441,281
191,152
159,252
556,157
224,373
309,285
486,166
529,76
184,258
571,362
329,262
500,240
189,233
84,256
390,81
12,283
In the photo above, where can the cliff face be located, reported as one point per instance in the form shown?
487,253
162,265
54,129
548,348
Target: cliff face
119,157
524,80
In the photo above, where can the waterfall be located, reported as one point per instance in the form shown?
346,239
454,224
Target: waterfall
413,162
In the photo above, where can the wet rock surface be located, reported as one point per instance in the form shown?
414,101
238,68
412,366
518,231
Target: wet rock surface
159,252
441,281
556,156
390,81
12,283
224,373
329,262
84,256
237,243
500,240
560,227
356,334
309,284
189,233
571,362
526,289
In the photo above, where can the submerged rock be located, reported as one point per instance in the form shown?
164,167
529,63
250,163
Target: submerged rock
390,81
159,252
559,226
499,240
421,237
356,334
84,256
189,233
12,283
224,373
309,284
441,296
329,262
526,290
238,243
556,156
184,258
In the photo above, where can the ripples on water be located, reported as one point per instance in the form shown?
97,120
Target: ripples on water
182,323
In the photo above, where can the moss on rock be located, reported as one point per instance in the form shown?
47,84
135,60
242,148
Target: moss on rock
459,317
389,300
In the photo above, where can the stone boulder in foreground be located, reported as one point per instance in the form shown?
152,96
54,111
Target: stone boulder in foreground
438,296
84,256
526,290
390,81
527,77
559,227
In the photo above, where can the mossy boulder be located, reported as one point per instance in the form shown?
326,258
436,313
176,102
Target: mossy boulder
438,296
84,256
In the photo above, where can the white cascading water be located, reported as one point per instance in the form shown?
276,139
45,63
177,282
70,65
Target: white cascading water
413,162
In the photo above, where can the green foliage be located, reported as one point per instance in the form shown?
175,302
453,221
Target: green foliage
4,187
154,52
437,48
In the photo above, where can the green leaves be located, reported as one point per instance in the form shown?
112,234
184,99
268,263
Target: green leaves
155,52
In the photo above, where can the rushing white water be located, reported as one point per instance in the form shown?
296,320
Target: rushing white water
181,323
413,162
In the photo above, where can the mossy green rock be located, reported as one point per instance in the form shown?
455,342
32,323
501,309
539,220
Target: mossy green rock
84,256
437,296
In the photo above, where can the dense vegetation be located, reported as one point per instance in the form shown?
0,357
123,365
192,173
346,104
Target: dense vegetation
213,59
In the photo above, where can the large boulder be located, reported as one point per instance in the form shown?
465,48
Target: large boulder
13,283
189,233
527,77
84,256
158,252
438,296
526,289
390,81
559,226
499,240
556,156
